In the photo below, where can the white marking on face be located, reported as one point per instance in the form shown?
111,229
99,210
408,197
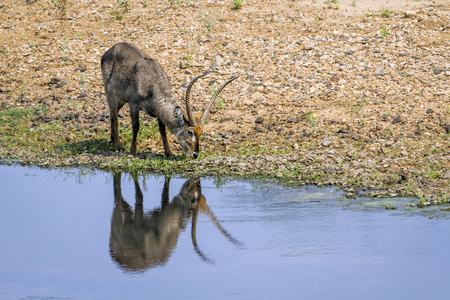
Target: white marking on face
196,196
193,138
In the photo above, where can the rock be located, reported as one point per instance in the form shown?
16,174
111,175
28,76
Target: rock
183,65
419,131
55,80
226,142
410,13
293,120
257,96
447,128
213,66
219,60
389,143
309,46
336,78
430,111
330,171
438,70
259,120
325,142
350,195
81,67
226,119
396,120
349,52
379,70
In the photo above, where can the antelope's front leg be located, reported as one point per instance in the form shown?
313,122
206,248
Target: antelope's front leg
134,112
162,131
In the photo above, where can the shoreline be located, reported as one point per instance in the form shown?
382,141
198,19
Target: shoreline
355,95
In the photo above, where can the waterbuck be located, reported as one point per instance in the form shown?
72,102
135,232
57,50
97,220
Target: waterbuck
145,239
131,76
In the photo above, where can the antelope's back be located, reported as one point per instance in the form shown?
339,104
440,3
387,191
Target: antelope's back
125,65
120,60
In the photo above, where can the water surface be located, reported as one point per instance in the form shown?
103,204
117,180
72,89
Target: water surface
69,234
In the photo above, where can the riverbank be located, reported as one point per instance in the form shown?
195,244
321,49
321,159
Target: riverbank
354,94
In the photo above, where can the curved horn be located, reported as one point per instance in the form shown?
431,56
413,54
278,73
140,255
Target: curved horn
197,250
187,98
213,100
219,226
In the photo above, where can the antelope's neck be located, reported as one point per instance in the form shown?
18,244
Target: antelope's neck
163,109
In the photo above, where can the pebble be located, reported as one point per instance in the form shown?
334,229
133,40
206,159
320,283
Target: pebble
219,60
379,70
259,120
257,96
330,171
325,142
410,13
438,70
396,120
309,46
81,67
183,65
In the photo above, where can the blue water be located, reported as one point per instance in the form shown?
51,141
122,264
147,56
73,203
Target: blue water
67,234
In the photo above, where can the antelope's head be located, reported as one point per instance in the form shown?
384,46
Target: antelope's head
189,138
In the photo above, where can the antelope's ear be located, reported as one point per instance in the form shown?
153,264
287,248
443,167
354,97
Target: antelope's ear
178,114
198,131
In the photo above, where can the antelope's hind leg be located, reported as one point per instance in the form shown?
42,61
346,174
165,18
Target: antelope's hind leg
114,106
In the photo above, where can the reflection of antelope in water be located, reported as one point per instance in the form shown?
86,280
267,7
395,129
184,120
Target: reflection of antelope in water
143,240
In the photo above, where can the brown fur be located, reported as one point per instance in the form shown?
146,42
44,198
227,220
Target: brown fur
131,76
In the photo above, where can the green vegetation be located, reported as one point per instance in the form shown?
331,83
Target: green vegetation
61,6
64,44
190,55
333,4
181,3
383,31
237,4
123,4
123,8
83,82
386,13
209,22
117,15
313,120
